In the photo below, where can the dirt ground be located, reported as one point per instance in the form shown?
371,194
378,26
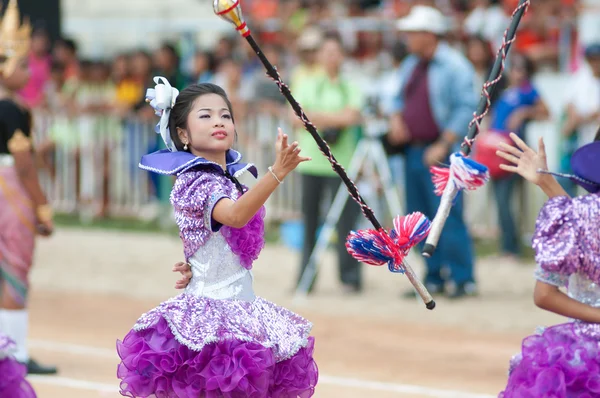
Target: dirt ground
89,287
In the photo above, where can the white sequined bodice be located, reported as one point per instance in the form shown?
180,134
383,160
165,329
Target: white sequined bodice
584,290
218,274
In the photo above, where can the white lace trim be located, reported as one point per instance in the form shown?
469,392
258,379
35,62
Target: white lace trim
243,170
165,172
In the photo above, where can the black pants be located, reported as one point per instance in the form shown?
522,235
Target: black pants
314,190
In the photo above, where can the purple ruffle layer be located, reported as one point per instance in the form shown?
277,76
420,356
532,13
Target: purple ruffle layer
12,380
154,363
561,362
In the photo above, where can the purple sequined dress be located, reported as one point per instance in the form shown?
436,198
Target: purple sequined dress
217,339
564,360
12,373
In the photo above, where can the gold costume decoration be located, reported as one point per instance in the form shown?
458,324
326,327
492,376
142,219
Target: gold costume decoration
15,38
19,142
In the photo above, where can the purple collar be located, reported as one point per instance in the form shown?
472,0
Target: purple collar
174,163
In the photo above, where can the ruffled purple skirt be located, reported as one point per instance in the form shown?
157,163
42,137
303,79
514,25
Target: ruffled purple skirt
12,380
234,352
561,362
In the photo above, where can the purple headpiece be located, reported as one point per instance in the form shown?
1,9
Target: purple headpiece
585,163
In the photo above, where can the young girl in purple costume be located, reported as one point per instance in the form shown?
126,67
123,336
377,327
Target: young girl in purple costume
562,360
216,339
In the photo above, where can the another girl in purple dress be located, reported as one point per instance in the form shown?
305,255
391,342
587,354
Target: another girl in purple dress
217,339
563,360
12,373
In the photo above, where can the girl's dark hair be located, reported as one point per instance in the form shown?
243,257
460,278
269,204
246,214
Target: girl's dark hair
185,102
597,137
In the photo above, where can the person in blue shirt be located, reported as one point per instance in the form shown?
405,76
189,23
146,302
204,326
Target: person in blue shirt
518,104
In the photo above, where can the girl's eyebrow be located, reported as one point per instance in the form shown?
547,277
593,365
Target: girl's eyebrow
209,109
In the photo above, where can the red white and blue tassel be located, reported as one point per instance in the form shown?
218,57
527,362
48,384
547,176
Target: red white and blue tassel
463,173
377,247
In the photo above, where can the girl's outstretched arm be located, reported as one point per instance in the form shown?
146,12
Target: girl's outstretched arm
550,298
237,213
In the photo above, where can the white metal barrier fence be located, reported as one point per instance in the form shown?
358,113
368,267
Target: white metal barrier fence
91,165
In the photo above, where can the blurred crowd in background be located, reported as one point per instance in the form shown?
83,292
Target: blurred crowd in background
548,35
99,103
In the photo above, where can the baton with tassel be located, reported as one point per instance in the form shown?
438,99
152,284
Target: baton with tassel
465,173
377,246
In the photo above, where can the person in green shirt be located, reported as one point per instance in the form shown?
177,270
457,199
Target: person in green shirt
333,103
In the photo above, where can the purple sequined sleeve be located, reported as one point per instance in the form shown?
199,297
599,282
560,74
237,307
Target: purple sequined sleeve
194,197
556,234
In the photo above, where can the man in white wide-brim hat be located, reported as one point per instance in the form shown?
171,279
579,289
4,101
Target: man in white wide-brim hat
432,113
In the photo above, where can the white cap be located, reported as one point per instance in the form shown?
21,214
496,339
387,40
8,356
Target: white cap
423,19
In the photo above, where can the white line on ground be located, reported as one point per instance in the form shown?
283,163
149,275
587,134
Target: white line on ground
73,349
74,383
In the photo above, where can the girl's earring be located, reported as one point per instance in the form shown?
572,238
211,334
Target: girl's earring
185,147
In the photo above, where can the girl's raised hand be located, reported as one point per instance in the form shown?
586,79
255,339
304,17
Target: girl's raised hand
287,156
525,161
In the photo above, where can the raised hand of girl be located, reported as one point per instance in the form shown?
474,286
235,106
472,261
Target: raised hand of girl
237,213
287,157
525,161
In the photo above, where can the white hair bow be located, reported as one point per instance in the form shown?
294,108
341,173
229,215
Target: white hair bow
162,98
